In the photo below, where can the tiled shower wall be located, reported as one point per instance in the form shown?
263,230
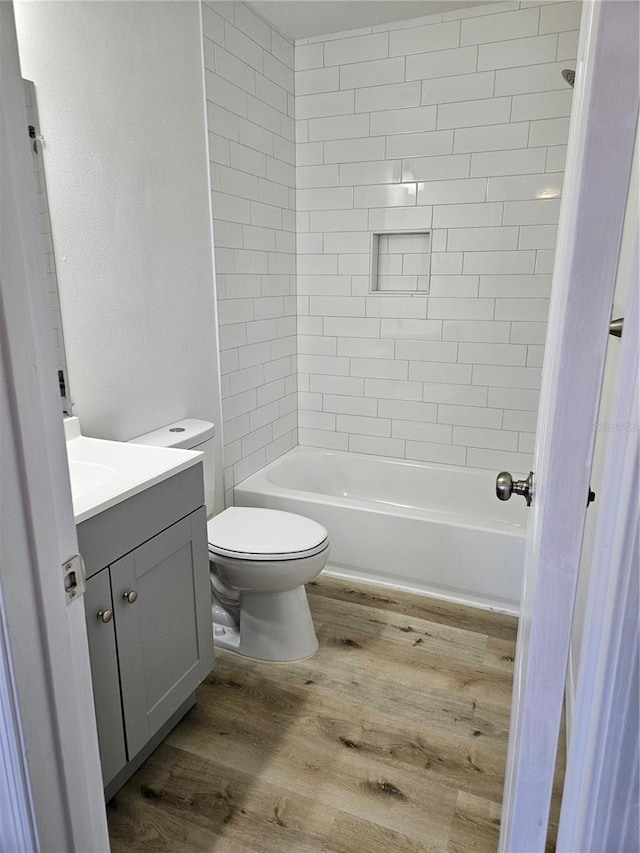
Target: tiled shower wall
249,86
457,124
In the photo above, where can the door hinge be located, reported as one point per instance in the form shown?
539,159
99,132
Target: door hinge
73,577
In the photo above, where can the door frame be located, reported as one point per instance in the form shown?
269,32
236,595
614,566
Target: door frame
50,781
600,152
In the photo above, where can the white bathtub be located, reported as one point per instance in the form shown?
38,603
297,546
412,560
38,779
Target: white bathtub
434,529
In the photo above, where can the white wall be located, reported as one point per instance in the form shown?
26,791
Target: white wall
120,96
456,123
249,83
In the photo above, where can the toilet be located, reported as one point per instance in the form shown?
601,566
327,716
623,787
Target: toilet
260,560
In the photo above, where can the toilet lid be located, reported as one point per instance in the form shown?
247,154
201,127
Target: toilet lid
264,534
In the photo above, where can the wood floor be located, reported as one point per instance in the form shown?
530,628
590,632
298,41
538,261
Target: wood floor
391,738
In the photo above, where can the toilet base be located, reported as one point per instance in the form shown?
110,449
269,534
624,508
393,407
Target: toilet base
274,626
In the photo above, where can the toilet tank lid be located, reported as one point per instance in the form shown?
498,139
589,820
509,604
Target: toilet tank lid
187,433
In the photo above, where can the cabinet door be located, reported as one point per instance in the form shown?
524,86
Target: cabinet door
163,625
104,673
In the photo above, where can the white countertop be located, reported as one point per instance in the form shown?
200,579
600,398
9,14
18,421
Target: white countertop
103,473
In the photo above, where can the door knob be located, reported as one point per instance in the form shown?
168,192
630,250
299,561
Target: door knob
105,615
507,486
130,596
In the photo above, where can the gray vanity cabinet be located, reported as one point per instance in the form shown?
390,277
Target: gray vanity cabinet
148,621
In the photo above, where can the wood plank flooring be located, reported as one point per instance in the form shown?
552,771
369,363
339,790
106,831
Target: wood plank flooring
391,738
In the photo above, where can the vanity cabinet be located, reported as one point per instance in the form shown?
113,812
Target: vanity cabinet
149,623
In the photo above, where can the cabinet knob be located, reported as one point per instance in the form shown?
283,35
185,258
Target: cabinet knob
105,615
130,596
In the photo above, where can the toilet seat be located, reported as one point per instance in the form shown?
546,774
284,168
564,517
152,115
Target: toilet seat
256,534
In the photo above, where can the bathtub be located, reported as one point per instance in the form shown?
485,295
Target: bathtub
433,529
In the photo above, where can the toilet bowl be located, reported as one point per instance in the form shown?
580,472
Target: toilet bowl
261,559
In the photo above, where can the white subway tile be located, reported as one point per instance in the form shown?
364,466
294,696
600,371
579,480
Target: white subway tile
452,192
530,78
473,416
263,416
326,198
426,351
492,138
354,265
490,439
391,389
338,306
347,241
511,54
545,261
278,73
356,150
376,446
374,172
323,438
363,425
436,37
338,220
403,218
440,373
499,262
568,45
309,154
317,80
433,168
542,105
352,327
521,421
420,144
535,356
508,354
460,87
317,266
323,285
423,20
272,390
379,368
316,420
454,285
397,306
513,398
339,127
388,195
556,158
409,120
460,309
417,431
261,330
538,212
442,63
358,49
376,73
446,264
316,176
551,131
506,377
523,161
489,111
456,395
467,215
515,286
316,345
244,48
557,17
407,410
501,27
389,97
538,237
234,70
481,9
309,56
401,328
327,104
445,454
522,309
482,239
494,460
529,332
347,385
345,405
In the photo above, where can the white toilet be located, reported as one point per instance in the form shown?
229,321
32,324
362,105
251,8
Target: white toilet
260,560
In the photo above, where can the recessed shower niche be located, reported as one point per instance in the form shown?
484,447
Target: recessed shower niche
400,262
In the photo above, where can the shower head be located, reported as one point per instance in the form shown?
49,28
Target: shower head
569,76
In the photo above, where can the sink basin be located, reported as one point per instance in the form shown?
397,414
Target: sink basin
104,473
88,476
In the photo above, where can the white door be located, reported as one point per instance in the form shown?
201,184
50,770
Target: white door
605,114
50,783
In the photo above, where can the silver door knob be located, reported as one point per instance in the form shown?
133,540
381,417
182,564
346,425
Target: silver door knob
507,486
105,615
130,596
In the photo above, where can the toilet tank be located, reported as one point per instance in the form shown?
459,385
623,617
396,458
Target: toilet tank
189,434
